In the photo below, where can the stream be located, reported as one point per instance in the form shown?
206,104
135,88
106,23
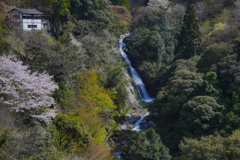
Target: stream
144,96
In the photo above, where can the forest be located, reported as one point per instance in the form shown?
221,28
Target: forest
64,92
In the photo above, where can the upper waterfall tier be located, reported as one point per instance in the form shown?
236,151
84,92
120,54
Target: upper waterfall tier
137,79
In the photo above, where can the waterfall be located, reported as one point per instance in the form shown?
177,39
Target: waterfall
140,87
137,79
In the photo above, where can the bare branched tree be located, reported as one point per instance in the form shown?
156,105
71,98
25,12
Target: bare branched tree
161,4
200,11
176,14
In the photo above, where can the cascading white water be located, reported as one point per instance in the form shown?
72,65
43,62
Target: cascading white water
137,124
137,79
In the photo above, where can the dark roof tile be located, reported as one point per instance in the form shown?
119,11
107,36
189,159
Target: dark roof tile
27,11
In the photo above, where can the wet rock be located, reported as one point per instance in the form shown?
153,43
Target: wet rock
124,142
147,124
115,138
118,133
123,127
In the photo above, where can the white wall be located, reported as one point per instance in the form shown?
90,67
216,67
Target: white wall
27,22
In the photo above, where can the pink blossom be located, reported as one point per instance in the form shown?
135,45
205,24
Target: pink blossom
22,89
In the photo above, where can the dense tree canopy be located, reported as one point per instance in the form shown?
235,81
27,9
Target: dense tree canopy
147,45
70,132
211,147
199,117
145,145
95,10
60,7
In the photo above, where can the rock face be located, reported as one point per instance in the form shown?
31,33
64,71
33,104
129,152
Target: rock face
133,115
132,94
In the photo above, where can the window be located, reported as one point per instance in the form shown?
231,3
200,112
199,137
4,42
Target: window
14,11
32,26
26,17
37,17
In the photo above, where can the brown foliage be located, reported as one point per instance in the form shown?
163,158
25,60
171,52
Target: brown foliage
3,7
98,151
122,14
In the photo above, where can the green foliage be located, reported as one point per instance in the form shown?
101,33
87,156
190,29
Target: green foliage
227,70
231,120
90,108
180,64
152,19
148,46
94,92
209,148
151,46
181,87
187,104
62,94
219,29
94,10
199,117
4,137
221,17
70,132
124,3
145,145
116,81
97,49
4,45
236,46
150,72
165,110
212,84
59,11
34,143
60,7
60,60
120,21
189,40
213,55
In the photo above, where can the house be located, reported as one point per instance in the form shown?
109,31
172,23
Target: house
28,19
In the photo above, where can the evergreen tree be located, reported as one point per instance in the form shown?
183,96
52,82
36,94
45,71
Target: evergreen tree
189,40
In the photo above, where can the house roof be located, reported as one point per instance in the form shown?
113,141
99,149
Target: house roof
27,11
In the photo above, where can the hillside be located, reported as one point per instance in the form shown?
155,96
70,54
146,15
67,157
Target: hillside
66,93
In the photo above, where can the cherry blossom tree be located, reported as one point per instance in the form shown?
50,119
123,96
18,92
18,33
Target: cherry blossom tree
23,90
